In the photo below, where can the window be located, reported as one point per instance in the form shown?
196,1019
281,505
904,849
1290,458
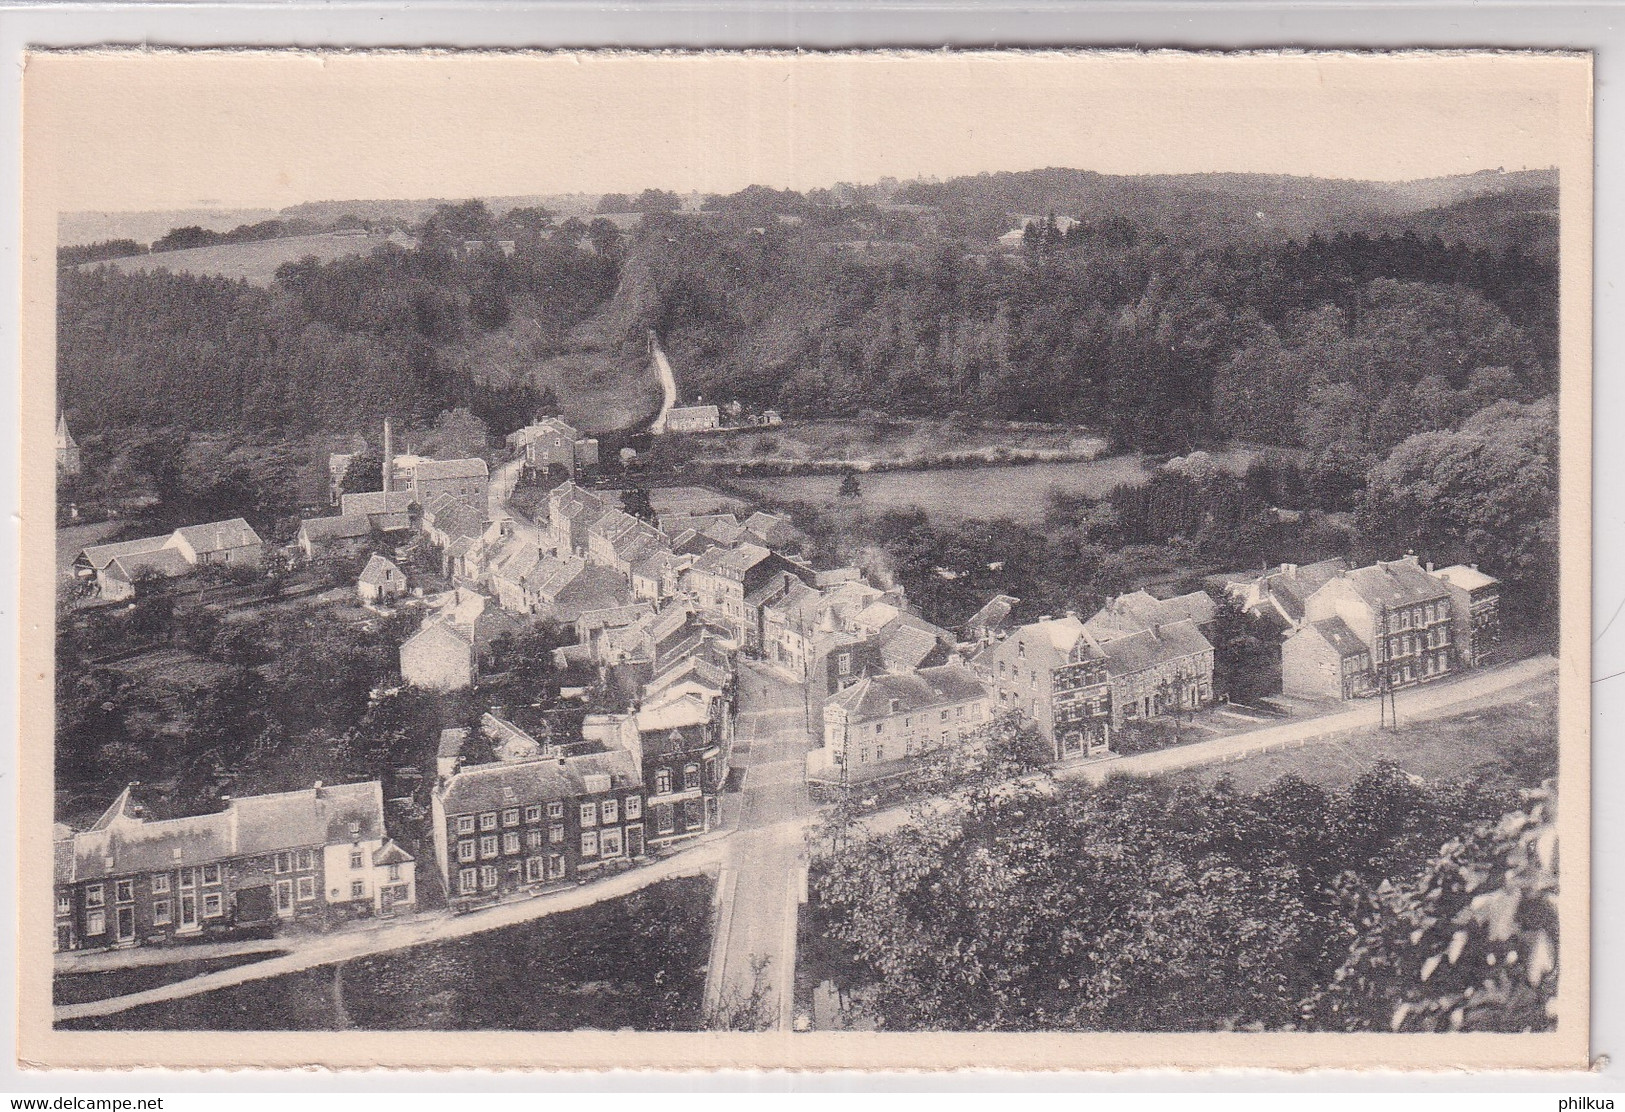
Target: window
284,864
555,810
355,828
95,895
691,813
589,844
64,903
879,726
880,751
634,807
533,813
1021,650
959,712
394,872
691,776
355,859
465,824
609,844
943,716
358,889
510,842
466,850
467,880
160,882
124,891
662,781
555,833
610,810
214,905
96,922
533,839
510,817
488,845
589,814
863,755
665,818
533,869
307,888
488,821
488,876
555,864
162,913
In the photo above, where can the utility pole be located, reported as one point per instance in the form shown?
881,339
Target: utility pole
1387,704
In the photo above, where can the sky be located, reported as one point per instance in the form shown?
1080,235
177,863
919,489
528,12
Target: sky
142,131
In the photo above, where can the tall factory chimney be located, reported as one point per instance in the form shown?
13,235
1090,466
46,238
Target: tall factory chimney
389,456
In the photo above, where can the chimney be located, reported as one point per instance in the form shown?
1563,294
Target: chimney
1473,566
1156,631
318,789
1289,570
1430,567
389,455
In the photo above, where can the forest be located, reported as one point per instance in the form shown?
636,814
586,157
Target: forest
1144,905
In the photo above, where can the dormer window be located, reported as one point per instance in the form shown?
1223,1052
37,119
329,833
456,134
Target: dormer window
1021,649
355,828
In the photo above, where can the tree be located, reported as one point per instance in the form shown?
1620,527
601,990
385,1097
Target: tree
1244,667
456,434
1484,493
365,473
635,501
850,487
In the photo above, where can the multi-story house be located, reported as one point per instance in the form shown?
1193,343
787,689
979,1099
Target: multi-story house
447,651
1475,607
1139,611
320,854
1390,625
1277,596
571,511
513,827
1055,675
895,716
620,541
685,761
550,442
1166,669
721,579
466,480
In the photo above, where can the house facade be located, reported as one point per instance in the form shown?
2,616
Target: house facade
511,828
882,719
1167,669
550,442
464,479
320,855
381,580
1393,624
118,567
1055,675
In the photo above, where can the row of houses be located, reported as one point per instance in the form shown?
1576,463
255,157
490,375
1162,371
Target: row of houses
320,855
1348,632
118,568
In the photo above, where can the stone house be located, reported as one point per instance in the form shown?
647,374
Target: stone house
1054,674
895,716
381,580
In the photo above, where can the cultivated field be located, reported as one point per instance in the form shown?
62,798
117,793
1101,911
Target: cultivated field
255,263
900,441
1018,492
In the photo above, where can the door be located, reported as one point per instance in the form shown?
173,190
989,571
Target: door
284,897
126,924
634,840
188,911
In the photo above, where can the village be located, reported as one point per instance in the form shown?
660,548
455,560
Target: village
729,688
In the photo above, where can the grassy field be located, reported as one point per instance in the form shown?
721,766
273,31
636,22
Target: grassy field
255,263
1018,492
637,962
1517,741
81,988
894,441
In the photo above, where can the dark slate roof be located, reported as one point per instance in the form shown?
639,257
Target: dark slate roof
995,615
1340,637
1290,586
1135,652
872,696
378,571
492,787
1141,610
450,469
376,502
1394,583
161,561
98,556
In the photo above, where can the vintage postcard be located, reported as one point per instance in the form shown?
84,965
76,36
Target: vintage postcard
1062,560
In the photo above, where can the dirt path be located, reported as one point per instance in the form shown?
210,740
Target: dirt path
668,384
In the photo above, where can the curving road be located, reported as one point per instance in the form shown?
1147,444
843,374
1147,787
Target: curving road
668,384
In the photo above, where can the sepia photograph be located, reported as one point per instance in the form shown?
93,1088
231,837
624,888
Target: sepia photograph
1006,559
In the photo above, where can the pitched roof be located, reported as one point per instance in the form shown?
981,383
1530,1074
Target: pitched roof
1135,652
1394,583
163,561
1141,610
450,469
771,529
218,536
121,844
732,563
493,787
376,502
904,692
1290,584
905,644
1466,577
379,571
1339,636
98,556
995,615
